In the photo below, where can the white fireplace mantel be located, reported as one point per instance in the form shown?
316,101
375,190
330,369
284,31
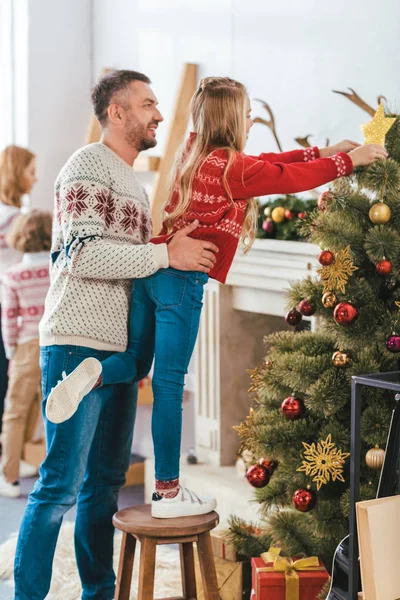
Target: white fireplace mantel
261,278
257,283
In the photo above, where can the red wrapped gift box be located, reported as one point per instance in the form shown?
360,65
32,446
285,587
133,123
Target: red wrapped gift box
272,585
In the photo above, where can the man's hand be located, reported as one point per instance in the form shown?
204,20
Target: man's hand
187,254
344,146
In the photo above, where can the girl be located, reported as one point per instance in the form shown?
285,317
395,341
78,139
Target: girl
25,287
17,177
214,183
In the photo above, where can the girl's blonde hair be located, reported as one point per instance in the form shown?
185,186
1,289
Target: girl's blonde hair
31,232
13,162
219,120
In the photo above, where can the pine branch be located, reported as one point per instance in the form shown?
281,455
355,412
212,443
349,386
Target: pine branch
292,531
248,539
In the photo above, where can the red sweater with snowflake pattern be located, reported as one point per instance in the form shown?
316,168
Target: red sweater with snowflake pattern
221,221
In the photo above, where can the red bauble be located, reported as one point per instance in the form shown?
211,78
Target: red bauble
258,476
393,343
289,215
306,308
293,317
302,215
326,258
268,226
304,500
292,408
269,463
345,314
384,267
324,200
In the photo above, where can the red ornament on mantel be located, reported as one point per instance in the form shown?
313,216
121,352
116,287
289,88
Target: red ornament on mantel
302,215
292,408
306,308
345,314
384,267
324,200
326,258
293,317
393,343
289,215
304,500
258,476
268,226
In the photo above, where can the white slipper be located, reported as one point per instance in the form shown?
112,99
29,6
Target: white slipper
64,399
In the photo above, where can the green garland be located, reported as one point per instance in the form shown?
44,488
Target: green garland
289,228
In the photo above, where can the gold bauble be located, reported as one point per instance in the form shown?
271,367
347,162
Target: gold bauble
340,359
375,457
379,213
278,214
329,300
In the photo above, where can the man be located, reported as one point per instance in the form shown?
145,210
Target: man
100,242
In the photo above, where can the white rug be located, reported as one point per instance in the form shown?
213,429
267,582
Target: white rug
65,584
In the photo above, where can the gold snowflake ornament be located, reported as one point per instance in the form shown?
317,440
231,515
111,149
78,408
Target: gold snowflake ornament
257,379
323,462
247,424
336,275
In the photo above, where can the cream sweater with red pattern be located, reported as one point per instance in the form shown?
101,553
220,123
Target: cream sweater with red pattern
102,225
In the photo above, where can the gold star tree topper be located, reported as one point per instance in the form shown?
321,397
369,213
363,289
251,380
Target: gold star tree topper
336,275
375,131
323,462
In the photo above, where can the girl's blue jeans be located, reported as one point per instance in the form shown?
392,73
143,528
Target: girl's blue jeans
164,322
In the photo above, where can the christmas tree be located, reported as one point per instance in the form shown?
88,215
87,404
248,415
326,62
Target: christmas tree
298,430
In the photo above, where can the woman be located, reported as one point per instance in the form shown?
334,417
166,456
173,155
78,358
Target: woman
17,177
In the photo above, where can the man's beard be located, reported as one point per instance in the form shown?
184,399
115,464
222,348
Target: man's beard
136,135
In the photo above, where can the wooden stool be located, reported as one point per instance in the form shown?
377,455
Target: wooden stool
138,524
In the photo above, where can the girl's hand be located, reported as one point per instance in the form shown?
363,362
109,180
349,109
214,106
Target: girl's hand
366,155
344,146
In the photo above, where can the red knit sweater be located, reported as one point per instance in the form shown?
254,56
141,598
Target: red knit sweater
249,176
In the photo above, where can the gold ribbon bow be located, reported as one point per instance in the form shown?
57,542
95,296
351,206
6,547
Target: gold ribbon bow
283,564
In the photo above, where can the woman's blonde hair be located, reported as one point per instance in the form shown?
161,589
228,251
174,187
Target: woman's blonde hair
219,120
13,162
31,232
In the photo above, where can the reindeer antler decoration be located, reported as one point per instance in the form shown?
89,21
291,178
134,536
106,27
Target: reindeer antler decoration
355,98
304,143
270,124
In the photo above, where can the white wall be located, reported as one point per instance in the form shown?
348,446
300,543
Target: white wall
289,53
53,84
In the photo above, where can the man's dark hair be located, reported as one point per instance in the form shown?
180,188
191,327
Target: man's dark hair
108,86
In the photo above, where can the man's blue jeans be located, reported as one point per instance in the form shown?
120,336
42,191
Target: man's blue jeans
164,321
86,461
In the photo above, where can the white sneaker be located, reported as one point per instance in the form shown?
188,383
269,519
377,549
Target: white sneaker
64,399
26,469
9,490
185,504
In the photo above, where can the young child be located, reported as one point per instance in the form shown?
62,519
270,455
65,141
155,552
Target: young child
214,183
17,177
24,290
